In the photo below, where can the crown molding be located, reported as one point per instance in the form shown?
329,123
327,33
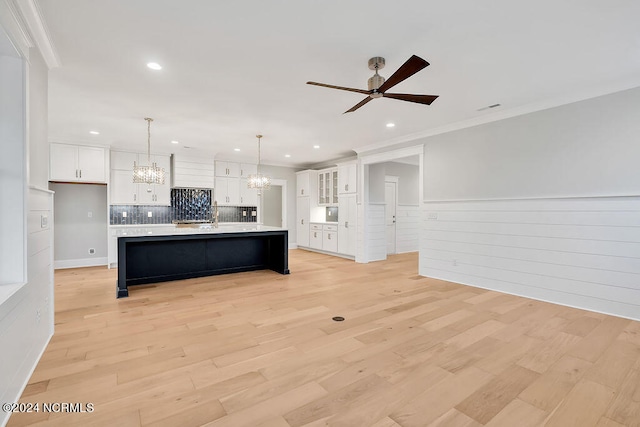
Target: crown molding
593,92
38,29
12,21
26,28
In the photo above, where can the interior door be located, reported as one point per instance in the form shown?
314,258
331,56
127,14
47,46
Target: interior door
390,215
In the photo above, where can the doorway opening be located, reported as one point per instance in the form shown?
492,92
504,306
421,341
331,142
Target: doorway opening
272,206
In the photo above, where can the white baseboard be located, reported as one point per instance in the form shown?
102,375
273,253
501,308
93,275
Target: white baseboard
83,262
293,246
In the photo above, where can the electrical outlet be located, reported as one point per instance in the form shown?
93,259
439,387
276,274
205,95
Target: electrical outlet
90,214
454,262
44,221
38,315
244,213
150,214
92,251
432,215
124,214
253,213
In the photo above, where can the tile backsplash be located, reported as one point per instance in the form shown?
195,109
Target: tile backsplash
186,204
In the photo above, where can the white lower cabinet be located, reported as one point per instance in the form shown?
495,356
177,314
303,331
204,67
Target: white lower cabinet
330,238
323,237
315,236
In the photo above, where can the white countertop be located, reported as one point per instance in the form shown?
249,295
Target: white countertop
170,230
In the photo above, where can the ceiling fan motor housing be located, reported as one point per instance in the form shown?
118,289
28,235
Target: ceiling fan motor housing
375,82
376,63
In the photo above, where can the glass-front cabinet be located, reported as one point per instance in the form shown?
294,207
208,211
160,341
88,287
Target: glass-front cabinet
328,187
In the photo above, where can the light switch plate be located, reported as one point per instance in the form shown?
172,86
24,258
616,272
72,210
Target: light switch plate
149,214
44,221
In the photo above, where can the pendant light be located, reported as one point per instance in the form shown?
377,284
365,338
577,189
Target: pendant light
150,174
257,180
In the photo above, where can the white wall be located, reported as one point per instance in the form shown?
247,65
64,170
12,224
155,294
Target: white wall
588,148
12,169
272,206
26,318
524,205
76,232
408,181
288,174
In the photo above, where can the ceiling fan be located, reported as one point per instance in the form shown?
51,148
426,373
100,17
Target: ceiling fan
378,86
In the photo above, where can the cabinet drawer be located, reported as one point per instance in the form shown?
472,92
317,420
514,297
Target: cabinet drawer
328,227
316,227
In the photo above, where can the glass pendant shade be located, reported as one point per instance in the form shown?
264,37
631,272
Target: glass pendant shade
258,181
150,174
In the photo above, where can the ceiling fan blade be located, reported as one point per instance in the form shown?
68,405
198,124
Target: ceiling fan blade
350,89
408,69
419,99
358,105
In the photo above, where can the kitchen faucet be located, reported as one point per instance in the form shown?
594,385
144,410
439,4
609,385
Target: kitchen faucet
215,214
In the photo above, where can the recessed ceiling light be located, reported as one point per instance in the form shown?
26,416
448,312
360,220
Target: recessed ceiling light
390,125
287,155
94,132
154,66
316,146
236,149
175,142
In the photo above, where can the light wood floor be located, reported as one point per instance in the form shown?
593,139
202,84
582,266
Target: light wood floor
260,349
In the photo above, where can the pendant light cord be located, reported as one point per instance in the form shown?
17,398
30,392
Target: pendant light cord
259,137
149,120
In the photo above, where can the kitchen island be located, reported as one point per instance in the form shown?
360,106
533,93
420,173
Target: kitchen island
160,254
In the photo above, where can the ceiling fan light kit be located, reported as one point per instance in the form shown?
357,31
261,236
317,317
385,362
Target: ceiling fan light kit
378,85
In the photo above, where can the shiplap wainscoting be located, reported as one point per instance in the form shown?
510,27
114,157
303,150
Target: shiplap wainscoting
580,252
375,236
407,228
26,318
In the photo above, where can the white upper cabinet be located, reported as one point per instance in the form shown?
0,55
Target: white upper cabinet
227,191
327,186
77,163
122,189
347,173
303,183
247,169
248,196
227,169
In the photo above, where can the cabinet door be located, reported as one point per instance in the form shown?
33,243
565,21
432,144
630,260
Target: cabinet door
247,169
248,196
122,160
122,189
221,168
334,187
330,241
302,184
315,237
91,164
162,193
347,178
233,191
321,187
303,213
233,169
63,162
347,224
220,190
327,187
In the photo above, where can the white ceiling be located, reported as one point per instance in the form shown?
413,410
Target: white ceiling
237,68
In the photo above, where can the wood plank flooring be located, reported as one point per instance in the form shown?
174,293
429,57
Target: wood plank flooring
260,349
